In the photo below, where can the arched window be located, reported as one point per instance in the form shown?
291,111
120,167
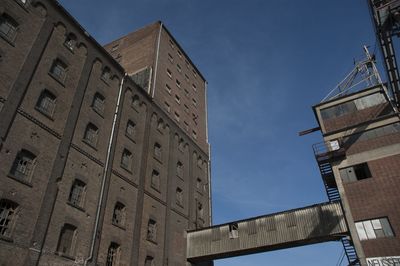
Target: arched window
152,230
157,151
98,103
119,214
70,41
113,254
77,193
91,134
106,74
130,129
149,261
23,165
46,103
126,160
8,210
66,242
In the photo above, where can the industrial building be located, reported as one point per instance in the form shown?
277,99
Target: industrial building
103,161
104,153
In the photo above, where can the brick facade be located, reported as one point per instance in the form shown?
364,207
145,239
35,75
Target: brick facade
114,163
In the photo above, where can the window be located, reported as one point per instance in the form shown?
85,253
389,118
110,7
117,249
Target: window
177,99
167,107
8,28
105,74
66,242
8,213
186,108
118,217
91,134
59,70
233,230
149,261
171,43
194,73
376,228
169,73
198,183
135,102
177,118
179,68
46,103
179,169
194,102
200,210
194,116
98,103
179,53
77,193
178,83
114,48
155,180
70,42
152,230
170,58
126,160
186,93
194,134
194,87
23,165
168,88
130,129
186,77
186,125
179,196
113,254
355,172
157,151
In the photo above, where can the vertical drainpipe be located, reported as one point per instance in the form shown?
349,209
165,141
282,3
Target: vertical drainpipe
209,155
156,64
103,181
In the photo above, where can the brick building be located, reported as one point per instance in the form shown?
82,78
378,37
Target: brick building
104,156
360,165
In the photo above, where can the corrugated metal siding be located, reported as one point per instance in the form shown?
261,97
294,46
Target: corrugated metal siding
297,226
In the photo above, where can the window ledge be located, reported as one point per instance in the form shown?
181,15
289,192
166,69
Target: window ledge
93,146
57,79
99,112
105,81
10,42
25,182
71,49
43,112
66,256
152,241
136,108
76,206
157,158
7,239
130,137
119,226
126,169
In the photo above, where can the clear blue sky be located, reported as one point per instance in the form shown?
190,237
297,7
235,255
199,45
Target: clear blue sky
266,62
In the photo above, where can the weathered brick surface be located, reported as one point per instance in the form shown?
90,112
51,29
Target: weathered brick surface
42,135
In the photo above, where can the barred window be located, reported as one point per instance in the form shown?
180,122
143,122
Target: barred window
126,159
98,103
46,103
77,193
91,134
66,242
119,214
8,210
152,230
8,27
23,165
113,254
59,70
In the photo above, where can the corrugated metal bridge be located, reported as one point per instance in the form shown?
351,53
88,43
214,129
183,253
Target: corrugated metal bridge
309,225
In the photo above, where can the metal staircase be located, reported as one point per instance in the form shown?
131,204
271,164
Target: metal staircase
325,152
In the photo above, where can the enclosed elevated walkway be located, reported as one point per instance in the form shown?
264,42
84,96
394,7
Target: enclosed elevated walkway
309,225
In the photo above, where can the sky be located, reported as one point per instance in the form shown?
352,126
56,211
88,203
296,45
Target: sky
267,63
